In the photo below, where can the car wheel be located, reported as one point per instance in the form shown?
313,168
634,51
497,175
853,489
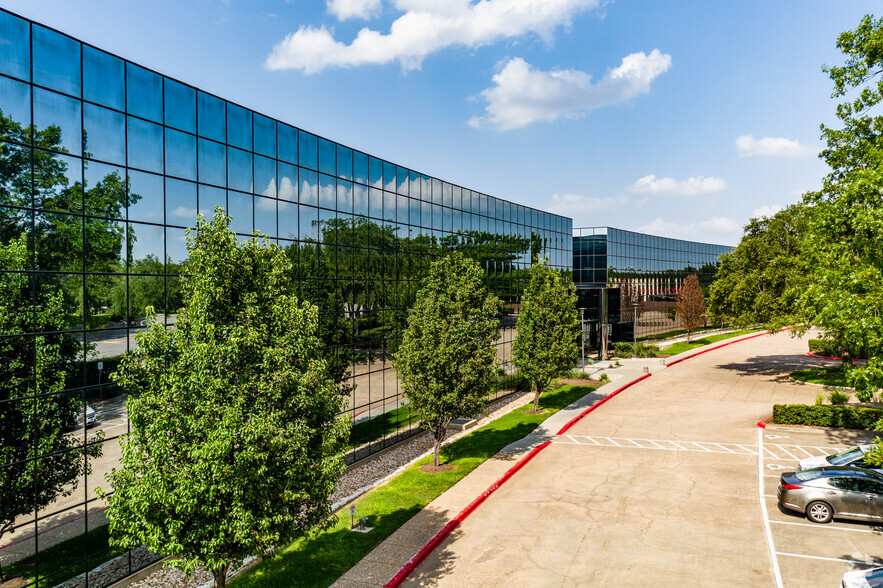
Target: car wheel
819,512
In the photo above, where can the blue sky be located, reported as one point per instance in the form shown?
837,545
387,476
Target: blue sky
681,118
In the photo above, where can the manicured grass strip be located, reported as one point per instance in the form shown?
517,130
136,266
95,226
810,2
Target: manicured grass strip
684,346
64,554
829,376
674,333
323,557
381,425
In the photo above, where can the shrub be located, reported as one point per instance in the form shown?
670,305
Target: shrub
820,399
848,417
604,378
623,349
838,396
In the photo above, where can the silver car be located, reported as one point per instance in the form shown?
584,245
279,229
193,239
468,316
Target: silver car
836,491
854,456
872,578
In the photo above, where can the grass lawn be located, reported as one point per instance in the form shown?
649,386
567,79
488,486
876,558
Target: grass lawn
829,376
318,560
63,557
684,346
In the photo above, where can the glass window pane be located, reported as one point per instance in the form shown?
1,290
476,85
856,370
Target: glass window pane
309,218
360,199
264,135
344,196
241,212
309,187
239,126
264,176
59,242
402,181
58,182
180,108
212,163
180,154
327,157
146,242
436,191
265,216
105,244
176,246
414,185
288,224
287,182
15,103
389,177
56,61
146,197
145,145
105,190
327,192
375,172
239,170
286,143
307,150
375,203
210,198
344,162
180,203
143,93
51,109
360,168
15,46
212,117
403,215
103,78
104,134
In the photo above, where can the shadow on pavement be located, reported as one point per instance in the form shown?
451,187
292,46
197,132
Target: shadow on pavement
778,366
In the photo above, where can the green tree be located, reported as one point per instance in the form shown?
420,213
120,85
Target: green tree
691,305
547,332
446,359
235,443
41,462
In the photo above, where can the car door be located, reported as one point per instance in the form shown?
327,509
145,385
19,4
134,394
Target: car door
873,491
847,498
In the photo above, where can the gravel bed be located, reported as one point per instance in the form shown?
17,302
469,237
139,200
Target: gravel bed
357,480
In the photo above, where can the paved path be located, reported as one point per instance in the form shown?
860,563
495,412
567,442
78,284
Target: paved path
659,486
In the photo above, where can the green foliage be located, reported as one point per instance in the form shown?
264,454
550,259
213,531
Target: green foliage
622,349
235,444
826,415
838,396
690,307
820,398
866,380
546,340
874,457
446,359
604,378
515,382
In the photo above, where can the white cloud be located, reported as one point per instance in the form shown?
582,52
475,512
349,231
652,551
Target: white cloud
522,95
766,211
577,204
425,27
346,9
717,229
287,190
748,146
692,186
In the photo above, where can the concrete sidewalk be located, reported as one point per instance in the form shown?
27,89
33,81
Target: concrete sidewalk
385,561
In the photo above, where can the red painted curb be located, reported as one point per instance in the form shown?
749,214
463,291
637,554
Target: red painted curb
809,353
585,413
730,342
455,522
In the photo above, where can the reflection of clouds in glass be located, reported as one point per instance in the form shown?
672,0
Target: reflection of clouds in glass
287,190
327,196
184,212
265,204
309,193
270,190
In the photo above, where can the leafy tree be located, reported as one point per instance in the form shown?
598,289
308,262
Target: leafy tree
235,443
691,305
757,282
446,359
39,461
546,339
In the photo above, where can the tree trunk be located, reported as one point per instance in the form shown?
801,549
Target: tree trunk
436,451
220,577
688,337
536,399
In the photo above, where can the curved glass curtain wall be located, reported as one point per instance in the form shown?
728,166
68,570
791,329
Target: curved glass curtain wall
626,266
103,165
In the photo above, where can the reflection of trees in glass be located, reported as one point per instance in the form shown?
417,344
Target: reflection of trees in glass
146,290
40,461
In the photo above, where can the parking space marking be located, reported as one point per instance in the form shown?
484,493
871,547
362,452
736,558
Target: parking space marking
815,526
663,444
852,561
766,516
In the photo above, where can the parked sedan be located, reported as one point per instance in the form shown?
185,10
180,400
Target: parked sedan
872,578
854,456
836,491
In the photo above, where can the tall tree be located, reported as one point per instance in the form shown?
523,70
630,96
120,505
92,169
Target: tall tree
691,305
235,443
547,330
446,359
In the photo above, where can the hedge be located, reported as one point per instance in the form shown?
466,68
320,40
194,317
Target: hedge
825,415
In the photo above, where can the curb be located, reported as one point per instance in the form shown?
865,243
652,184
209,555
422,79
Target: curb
586,412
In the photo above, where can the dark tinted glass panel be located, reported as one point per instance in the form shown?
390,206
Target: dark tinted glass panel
15,46
210,198
264,135
143,93
145,197
239,169
61,245
265,176
176,246
375,172
241,212
56,61
414,212
212,117
51,109
180,107
147,246
15,103
389,177
239,127
286,143
307,150
180,203
265,216
287,182
145,145
287,219
436,191
402,176
375,203
104,78
57,182
180,154
17,222
360,168
344,162
105,134
105,245
105,190
414,185
212,163
327,191
309,187
402,216
360,199
327,157
309,218
344,196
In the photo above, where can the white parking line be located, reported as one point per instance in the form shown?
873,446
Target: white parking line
814,526
808,454
853,561
791,455
766,517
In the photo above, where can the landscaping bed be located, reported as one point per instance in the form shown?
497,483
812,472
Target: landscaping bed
847,416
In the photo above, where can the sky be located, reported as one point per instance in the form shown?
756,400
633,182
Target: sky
676,118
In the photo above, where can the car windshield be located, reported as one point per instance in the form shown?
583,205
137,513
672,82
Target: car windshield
806,475
845,456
